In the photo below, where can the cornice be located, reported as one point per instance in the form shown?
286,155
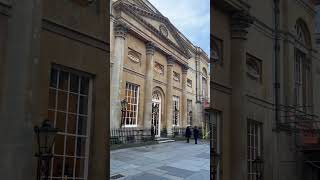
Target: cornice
240,22
133,11
307,6
221,88
232,5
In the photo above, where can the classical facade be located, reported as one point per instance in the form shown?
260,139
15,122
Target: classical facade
160,74
54,64
264,89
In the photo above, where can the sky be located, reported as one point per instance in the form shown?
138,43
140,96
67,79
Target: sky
190,17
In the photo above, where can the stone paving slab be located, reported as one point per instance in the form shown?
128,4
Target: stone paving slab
168,161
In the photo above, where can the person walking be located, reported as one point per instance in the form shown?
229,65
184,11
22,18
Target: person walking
188,133
195,134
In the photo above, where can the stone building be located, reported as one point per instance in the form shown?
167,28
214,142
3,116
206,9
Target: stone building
156,69
54,64
264,89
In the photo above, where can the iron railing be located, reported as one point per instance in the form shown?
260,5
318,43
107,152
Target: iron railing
130,136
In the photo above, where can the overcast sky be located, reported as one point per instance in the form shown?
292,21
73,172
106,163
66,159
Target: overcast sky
191,17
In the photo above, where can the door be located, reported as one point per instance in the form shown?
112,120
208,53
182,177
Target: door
156,113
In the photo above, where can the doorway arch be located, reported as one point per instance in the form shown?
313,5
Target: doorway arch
156,112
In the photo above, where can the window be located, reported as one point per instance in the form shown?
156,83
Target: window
302,88
69,111
204,88
189,111
254,147
130,116
175,111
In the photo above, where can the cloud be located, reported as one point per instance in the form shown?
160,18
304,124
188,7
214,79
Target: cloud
191,17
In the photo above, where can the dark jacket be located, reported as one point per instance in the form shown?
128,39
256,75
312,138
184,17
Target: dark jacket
195,133
188,132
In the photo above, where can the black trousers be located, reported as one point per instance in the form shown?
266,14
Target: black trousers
196,140
187,140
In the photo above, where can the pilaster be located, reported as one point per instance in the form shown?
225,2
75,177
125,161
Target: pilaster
240,23
120,30
184,95
170,62
150,48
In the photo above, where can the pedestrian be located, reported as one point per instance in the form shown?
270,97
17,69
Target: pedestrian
195,134
188,133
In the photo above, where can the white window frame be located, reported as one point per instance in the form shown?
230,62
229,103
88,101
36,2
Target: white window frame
129,103
254,131
175,99
189,108
66,134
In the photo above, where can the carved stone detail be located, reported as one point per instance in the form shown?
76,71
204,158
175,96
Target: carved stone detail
189,82
240,22
253,68
150,48
159,68
134,56
185,69
170,60
120,29
176,76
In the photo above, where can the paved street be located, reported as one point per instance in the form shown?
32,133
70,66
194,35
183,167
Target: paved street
168,161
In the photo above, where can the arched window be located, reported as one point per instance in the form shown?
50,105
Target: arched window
302,67
204,83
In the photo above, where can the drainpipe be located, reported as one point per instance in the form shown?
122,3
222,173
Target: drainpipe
276,61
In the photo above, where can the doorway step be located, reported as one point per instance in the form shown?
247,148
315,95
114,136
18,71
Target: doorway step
164,140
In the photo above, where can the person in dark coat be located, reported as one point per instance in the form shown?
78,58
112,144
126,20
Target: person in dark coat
195,134
188,134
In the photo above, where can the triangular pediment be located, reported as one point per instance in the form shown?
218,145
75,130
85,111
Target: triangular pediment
150,17
163,28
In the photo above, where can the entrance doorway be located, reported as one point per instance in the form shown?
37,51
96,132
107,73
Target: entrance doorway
156,113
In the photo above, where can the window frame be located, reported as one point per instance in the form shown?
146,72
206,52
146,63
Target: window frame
129,103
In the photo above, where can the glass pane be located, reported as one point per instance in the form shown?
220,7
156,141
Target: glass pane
57,166
63,80
68,167
59,144
61,121
72,123
83,107
52,99
82,125
62,101
70,145
73,103
54,78
84,85
81,144
74,83
80,167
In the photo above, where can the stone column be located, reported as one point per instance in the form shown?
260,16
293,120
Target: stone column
170,62
239,23
120,30
148,85
184,96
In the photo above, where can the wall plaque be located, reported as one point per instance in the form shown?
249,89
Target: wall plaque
159,68
176,76
134,56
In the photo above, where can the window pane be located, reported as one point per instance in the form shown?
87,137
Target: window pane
52,99
61,121
80,167
83,106
81,144
70,145
62,101
82,125
84,85
68,167
54,78
73,103
74,83
72,123
57,166
59,144
63,80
